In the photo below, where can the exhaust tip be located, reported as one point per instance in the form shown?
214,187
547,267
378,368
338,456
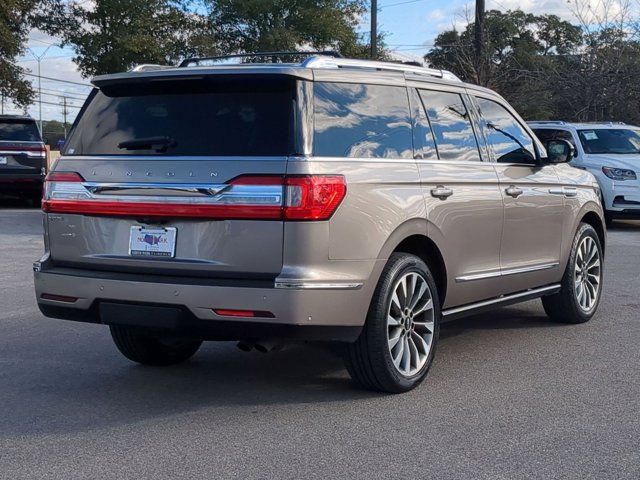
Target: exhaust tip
245,347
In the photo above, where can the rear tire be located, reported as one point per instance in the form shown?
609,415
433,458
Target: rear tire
396,347
148,348
579,297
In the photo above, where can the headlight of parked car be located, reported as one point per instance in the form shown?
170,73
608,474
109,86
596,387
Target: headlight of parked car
619,173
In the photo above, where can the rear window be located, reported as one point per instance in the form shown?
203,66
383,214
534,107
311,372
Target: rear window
199,117
19,131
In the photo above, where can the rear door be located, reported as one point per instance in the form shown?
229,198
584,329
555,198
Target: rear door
533,215
188,170
463,199
22,152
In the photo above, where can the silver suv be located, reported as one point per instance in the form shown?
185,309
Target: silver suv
331,199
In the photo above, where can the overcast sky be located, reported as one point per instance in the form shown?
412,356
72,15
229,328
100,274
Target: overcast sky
410,25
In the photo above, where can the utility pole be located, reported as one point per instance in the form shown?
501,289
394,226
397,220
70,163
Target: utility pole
374,29
2,103
65,112
39,60
479,39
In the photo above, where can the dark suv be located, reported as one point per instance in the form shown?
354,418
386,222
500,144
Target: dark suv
23,158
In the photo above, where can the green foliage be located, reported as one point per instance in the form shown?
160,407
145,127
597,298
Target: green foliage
115,35
278,25
14,29
547,67
17,17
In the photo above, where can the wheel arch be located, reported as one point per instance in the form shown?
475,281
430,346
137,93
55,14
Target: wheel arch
592,218
411,237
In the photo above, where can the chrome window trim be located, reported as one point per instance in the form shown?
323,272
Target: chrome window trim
504,273
171,158
310,158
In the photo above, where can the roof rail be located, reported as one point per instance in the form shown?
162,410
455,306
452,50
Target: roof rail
149,67
549,122
325,62
195,61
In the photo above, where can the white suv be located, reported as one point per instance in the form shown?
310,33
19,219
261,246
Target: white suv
611,151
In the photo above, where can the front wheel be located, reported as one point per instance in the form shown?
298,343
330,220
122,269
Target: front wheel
397,344
148,348
581,289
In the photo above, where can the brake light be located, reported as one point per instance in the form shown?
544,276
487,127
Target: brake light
313,197
242,313
64,177
252,197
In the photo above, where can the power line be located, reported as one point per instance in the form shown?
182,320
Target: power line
60,93
59,80
400,3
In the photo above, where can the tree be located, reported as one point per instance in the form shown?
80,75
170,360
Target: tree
17,17
115,35
281,25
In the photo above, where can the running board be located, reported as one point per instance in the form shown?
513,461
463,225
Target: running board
474,308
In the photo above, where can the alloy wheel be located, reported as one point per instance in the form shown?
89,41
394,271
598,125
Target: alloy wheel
588,272
410,323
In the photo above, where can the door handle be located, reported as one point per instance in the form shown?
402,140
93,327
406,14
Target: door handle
566,191
514,191
441,192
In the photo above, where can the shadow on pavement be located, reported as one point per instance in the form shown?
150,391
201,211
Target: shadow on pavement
81,383
621,225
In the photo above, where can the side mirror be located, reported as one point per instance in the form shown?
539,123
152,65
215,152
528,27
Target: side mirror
559,151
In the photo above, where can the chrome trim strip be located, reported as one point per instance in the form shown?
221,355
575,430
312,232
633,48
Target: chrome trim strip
504,299
504,273
293,285
193,194
194,188
28,153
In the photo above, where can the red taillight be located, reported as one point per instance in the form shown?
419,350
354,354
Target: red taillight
313,197
242,313
58,298
64,177
251,197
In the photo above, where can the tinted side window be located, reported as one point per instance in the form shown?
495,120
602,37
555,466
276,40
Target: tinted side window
423,140
509,141
451,125
548,134
356,120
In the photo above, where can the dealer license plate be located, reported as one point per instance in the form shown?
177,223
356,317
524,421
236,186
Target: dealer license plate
152,242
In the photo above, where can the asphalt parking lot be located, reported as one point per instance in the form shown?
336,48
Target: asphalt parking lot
509,396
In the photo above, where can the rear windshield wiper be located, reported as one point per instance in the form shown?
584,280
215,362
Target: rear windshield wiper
159,144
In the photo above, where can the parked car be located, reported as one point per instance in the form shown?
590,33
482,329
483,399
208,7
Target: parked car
23,157
332,199
611,151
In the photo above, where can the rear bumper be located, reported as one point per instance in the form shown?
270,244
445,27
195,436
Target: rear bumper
308,314
21,182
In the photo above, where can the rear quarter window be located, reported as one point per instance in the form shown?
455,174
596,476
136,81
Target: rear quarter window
361,120
200,117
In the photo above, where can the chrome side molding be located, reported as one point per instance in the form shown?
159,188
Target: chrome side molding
479,307
504,273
